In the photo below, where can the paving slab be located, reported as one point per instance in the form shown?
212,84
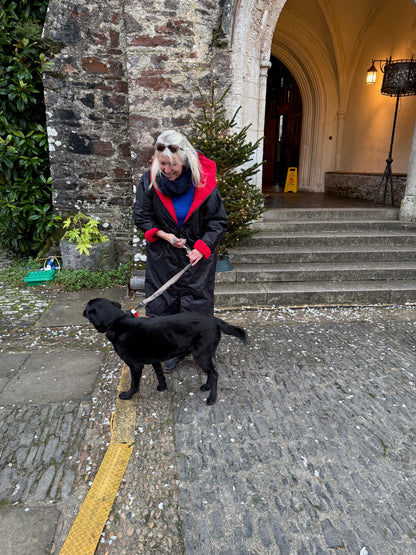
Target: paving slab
67,308
11,363
8,366
51,377
27,531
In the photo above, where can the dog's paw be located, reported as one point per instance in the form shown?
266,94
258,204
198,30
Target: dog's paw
162,387
211,399
126,395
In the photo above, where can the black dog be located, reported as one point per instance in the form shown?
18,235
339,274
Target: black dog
140,341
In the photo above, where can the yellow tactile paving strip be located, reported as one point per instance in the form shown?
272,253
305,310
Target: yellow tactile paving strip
86,530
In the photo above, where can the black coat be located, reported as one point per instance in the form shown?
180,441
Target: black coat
203,228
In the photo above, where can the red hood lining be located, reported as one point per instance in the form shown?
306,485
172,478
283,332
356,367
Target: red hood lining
208,168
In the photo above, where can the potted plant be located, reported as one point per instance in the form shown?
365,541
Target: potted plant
83,246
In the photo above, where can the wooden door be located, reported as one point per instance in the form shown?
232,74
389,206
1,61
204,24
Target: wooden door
283,125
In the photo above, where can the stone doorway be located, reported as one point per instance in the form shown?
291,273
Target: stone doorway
283,126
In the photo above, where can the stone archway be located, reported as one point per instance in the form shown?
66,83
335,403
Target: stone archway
316,82
252,32
327,51
254,39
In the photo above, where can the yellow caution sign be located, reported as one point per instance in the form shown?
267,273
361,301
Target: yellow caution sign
291,180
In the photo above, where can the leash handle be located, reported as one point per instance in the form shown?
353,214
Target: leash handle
184,245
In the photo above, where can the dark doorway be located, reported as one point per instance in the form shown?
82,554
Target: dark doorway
283,125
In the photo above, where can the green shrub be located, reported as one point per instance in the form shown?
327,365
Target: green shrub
83,230
70,280
73,280
26,217
16,272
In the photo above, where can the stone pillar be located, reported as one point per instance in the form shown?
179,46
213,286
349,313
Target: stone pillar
408,206
265,65
340,138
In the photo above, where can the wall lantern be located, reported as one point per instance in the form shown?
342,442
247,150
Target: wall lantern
371,74
399,79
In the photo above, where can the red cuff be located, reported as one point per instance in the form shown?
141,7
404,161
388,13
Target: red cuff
203,248
150,235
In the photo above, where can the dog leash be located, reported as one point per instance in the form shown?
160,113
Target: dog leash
165,286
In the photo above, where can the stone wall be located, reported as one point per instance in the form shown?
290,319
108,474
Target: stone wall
365,186
127,70
169,53
87,113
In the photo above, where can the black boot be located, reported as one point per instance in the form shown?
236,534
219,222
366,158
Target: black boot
170,364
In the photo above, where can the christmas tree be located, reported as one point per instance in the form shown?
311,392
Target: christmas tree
215,135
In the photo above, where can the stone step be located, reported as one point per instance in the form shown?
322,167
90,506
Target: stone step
299,226
340,271
322,214
280,255
314,293
335,238
308,257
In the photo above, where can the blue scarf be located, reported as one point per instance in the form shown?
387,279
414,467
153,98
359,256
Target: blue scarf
178,186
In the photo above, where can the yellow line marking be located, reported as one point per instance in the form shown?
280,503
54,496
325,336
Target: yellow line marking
124,417
86,530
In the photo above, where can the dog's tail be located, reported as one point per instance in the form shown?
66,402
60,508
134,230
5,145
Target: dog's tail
231,330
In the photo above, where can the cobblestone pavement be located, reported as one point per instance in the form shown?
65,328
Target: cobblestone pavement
309,449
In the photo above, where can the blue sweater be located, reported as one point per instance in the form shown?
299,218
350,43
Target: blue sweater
182,204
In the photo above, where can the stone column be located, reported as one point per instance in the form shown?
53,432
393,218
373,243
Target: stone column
265,65
408,206
340,138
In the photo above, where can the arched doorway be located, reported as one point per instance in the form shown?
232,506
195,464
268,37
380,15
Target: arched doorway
327,47
283,125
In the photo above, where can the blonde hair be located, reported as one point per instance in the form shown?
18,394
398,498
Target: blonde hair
186,155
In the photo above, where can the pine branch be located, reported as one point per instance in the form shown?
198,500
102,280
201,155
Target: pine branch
215,135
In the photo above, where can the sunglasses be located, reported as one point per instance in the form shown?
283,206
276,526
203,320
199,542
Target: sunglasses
161,147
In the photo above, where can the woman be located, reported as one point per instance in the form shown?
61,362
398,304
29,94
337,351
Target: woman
177,203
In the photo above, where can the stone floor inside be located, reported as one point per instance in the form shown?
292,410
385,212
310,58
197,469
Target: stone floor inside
303,199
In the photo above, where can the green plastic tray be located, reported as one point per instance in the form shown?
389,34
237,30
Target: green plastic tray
37,278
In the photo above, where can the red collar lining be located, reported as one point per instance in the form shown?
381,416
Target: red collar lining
208,168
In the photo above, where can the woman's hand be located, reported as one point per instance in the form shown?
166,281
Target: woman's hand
175,242
194,256
171,238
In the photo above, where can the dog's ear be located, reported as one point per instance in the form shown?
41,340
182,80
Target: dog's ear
116,304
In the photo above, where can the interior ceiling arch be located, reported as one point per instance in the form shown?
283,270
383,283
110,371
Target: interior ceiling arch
309,66
327,45
331,33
